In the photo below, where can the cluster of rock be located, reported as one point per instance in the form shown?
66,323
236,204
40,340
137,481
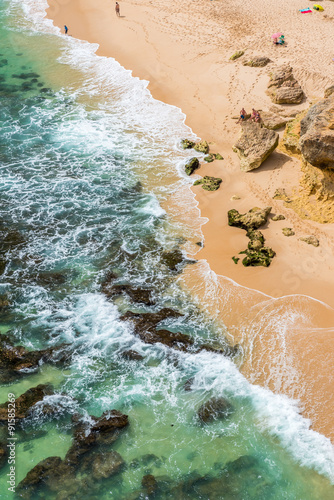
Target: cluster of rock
209,183
283,88
256,254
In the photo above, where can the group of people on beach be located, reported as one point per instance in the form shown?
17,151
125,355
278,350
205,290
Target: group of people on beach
117,10
254,117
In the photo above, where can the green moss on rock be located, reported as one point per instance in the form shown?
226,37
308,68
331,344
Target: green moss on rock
187,144
236,55
202,147
209,158
209,183
191,166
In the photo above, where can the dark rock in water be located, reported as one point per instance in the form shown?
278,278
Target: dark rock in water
17,361
3,62
191,166
215,409
140,295
132,355
253,219
199,243
150,484
189,384
40,84
3,454
209,183
105,430
26,76
187,144
107,283
37,476
172,259
106,464
145,328
25,402
51,278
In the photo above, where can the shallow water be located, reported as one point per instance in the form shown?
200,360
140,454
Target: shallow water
87,160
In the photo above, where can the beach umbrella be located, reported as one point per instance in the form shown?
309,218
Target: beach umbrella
276,35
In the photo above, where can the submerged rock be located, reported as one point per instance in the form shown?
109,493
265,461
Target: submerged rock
254,145
25,402
150,484
17,361
132,355
215,409
253,219
209,183
3,454
172,259
287,231
202,147
283,88
140,295
310,240
38,475
191,166
106,465
317,134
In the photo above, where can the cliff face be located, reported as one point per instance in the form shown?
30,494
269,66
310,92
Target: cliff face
317,134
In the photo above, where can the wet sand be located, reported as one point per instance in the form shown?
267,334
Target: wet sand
183,51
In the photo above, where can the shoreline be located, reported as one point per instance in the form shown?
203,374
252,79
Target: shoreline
197,76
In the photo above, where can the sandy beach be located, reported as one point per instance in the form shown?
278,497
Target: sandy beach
183,49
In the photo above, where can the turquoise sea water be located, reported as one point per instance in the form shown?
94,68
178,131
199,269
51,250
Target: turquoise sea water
87,158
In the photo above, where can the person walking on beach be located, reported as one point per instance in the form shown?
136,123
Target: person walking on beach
118,13
66,29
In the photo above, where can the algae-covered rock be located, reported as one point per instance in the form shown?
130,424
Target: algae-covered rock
106,465
278,217
209,158
202,147
209,183
25,402
261,257
237,54
256,61
187,144
287,231
310,240
235,259
253,219
149,483
256,240
254,145
191,165
215,409
218,156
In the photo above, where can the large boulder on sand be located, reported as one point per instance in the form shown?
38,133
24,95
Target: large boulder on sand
254,145
283,88
317,134
273,121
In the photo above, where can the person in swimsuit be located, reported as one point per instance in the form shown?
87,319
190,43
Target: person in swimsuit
253,115
118,13
242,115
66,29
257,118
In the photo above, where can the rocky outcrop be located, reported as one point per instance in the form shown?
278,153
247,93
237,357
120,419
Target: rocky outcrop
254,145
209,183
310,240
278,217
202,147
17,361
283,88
237,54
329,91
25,402
253,219
256,61
273,121
139,295
288,231
191,166
256,253
317,134
187,144
146,328
215,409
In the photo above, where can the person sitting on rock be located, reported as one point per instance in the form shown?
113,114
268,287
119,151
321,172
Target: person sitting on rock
243,114
253,115
257,118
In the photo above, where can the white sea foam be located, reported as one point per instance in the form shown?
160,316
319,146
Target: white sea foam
96,320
